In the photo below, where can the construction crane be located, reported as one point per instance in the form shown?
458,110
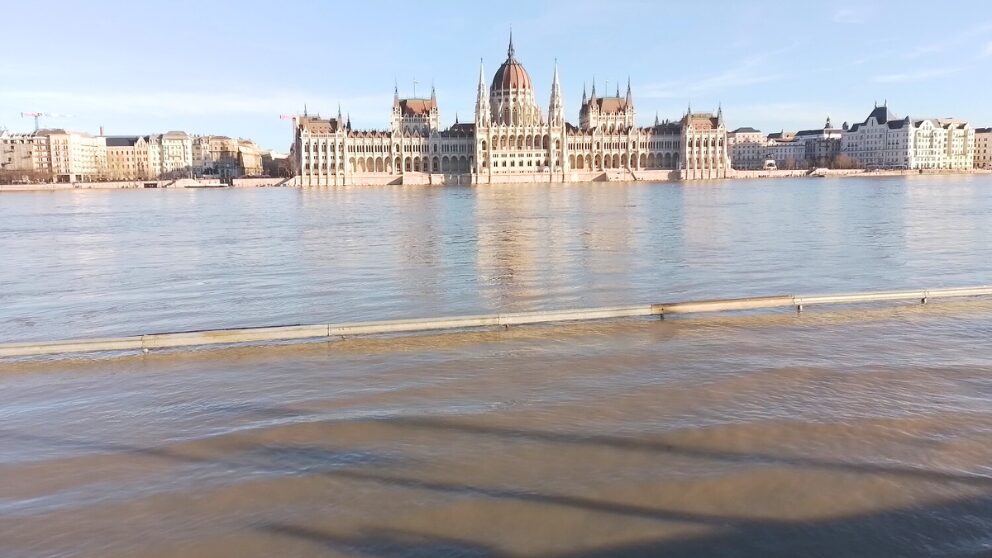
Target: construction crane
37,117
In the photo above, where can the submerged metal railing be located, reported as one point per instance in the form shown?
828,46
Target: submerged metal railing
317,331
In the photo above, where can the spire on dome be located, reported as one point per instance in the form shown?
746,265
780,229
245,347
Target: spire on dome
456,118
509,49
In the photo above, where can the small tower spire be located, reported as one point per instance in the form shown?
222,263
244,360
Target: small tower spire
828,125
719,114
628,90
655,118
482,114
556,113
339,113
509,49
433,94
349,121
305,110
618,90
583,93
593,94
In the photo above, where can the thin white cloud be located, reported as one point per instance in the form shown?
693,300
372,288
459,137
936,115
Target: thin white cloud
961,38
920,75
856,15
749,71
772,117
195,103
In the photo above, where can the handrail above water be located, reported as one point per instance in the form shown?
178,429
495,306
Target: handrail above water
304,332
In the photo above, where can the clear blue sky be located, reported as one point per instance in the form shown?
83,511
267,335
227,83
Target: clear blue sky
227,67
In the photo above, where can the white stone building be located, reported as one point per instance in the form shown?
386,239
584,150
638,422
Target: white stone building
983,148
510,140
748,149
884,141
176,149
25,156
788,151
76,157
821,145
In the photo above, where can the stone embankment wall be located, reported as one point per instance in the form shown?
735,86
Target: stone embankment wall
118,185
263,182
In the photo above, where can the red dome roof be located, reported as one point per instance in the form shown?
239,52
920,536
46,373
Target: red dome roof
511,75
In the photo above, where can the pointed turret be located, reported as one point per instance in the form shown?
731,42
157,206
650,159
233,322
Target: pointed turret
339,114
618,90
482,112
629,98
593,94
656,118
584,100
433,93
719,114
556,112
305,110
349,122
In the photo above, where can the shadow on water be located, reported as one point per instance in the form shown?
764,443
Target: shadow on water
948,528
671,448
959,529
385,543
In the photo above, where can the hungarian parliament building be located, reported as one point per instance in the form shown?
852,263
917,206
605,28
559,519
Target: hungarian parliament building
511,140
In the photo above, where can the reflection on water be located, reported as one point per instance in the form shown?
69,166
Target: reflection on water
848,432
93,263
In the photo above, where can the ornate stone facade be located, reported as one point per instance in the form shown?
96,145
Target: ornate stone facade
884,141
511,140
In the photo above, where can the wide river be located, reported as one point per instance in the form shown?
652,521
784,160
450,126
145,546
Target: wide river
840,432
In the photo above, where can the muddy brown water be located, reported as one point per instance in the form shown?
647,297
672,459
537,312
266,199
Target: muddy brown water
861,431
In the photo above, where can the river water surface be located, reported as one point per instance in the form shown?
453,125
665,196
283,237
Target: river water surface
841,432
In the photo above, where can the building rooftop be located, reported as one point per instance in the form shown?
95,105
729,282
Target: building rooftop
122,141
416,107
746,130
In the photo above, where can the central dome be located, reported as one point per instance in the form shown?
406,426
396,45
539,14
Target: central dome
511,75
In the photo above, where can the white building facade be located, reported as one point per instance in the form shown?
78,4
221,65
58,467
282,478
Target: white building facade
510,139
884,141
748,149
